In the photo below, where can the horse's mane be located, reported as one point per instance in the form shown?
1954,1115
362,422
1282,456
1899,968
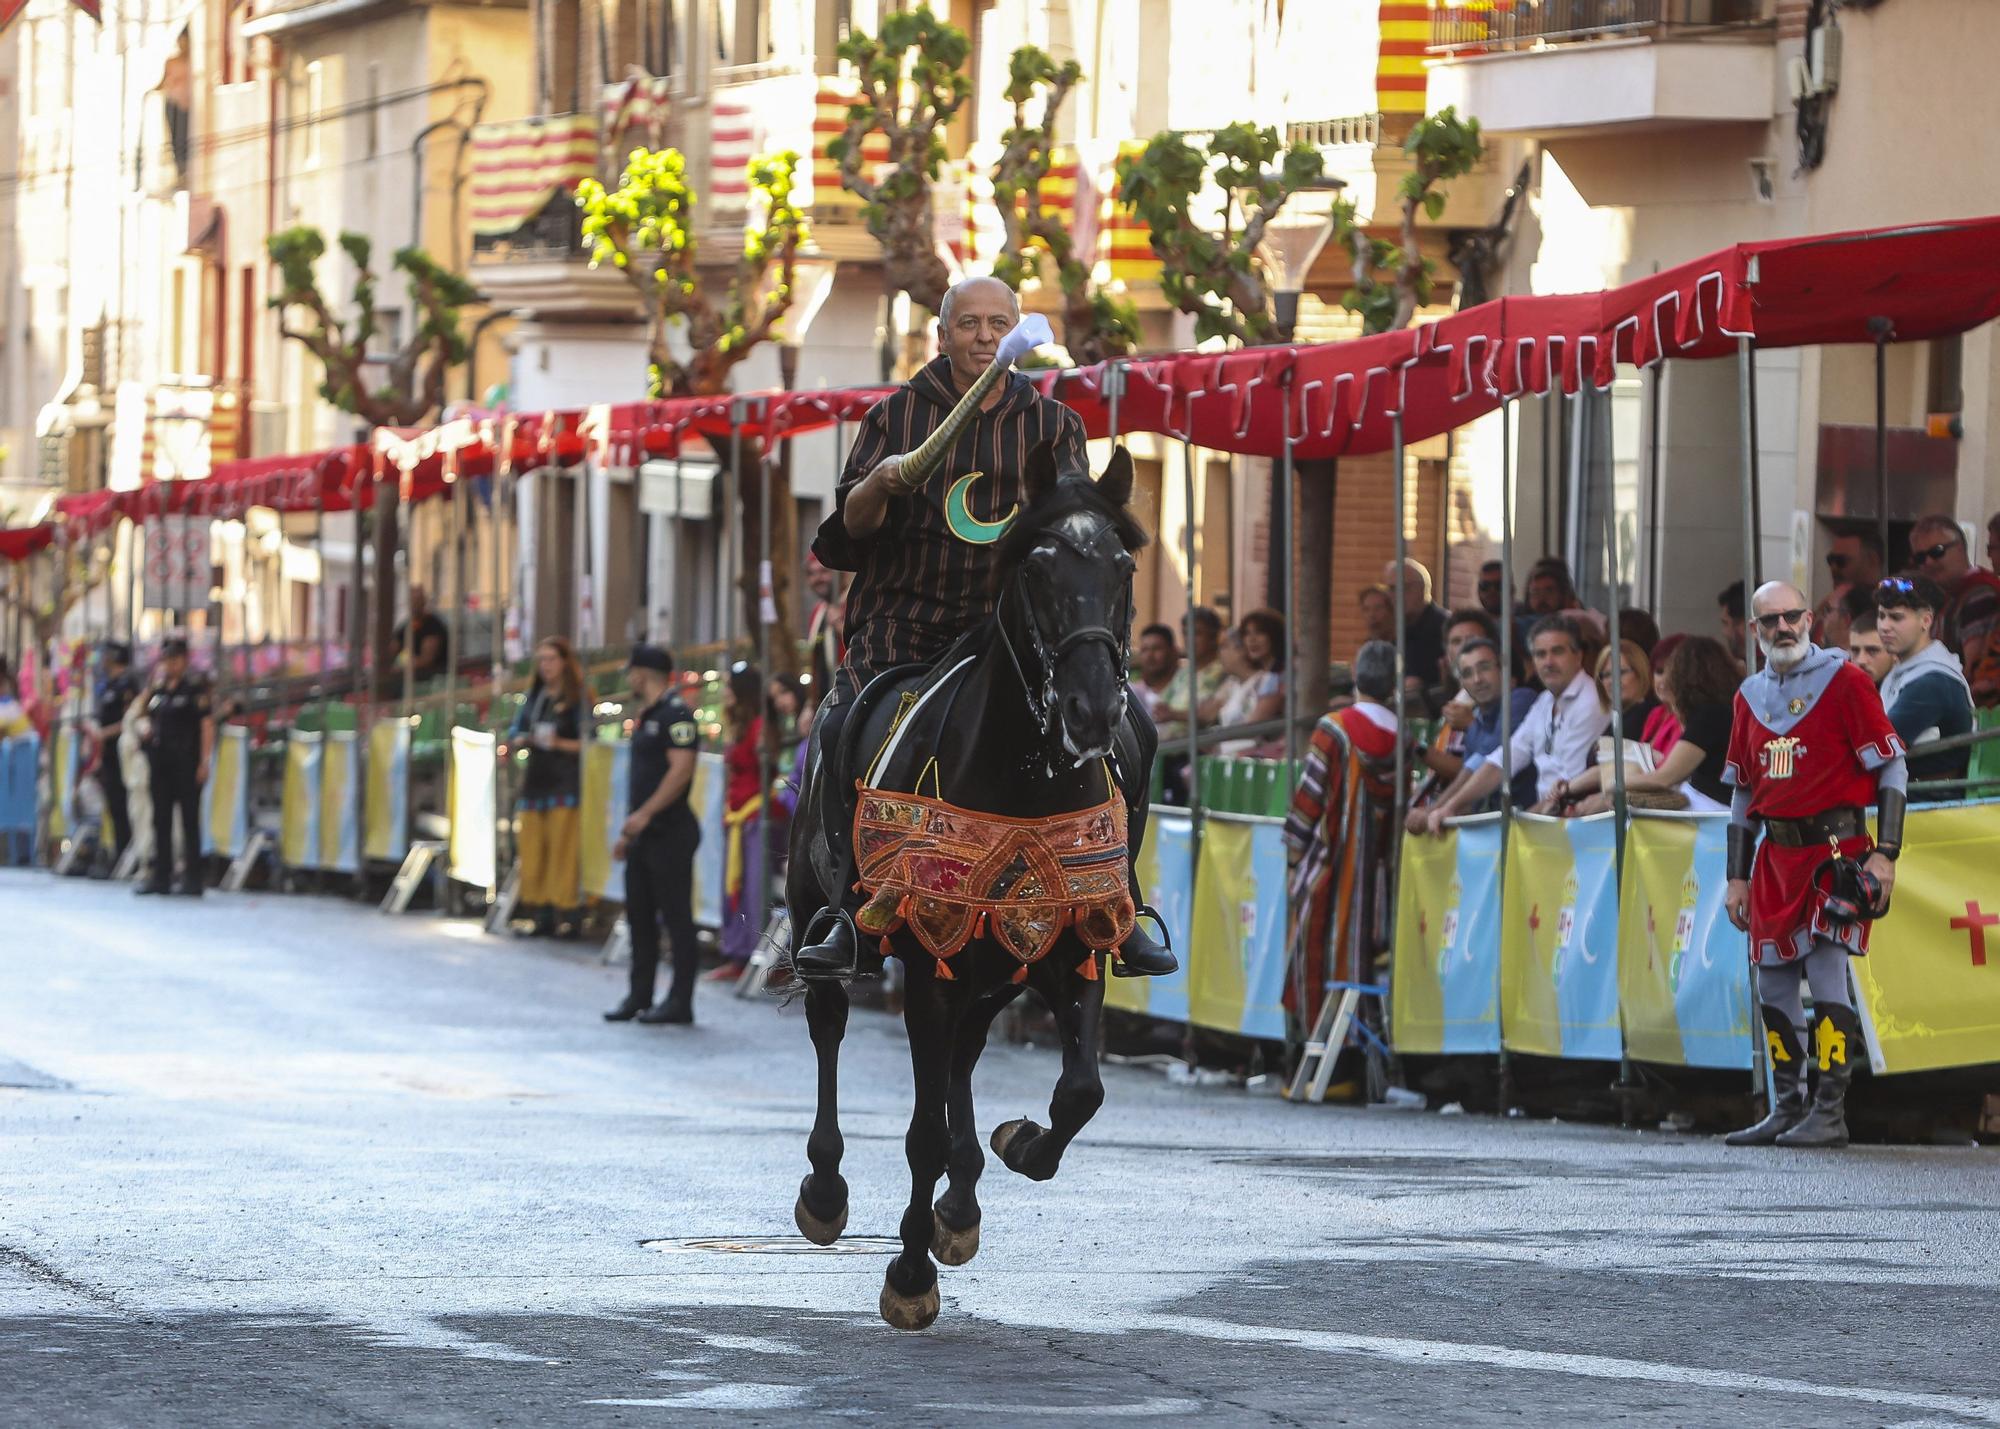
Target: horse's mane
1073,495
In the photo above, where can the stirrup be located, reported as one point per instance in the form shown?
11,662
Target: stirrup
1147,910
818,929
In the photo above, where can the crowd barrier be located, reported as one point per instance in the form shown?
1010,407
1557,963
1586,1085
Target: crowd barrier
225,798
316,825
20,768
385,808
473,799
1559,960
606,763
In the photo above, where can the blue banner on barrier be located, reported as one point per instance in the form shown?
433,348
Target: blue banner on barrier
1469,954
1264,949
19,758
1586,964
1712,962
1164,881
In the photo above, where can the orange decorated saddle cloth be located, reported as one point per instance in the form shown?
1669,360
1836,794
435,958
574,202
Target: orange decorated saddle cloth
950,875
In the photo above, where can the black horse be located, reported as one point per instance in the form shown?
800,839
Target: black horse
1025,716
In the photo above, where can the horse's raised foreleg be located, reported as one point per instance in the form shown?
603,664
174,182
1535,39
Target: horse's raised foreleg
1078,1004
910,1291
957,1235
821,1211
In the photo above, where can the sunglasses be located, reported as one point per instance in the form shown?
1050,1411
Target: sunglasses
1933,553
1780,617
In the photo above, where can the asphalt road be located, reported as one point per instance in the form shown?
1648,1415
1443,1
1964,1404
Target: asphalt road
283,1161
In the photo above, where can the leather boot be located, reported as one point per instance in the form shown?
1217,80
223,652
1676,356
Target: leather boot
835,953
1141,954
1836,1041
1786,1049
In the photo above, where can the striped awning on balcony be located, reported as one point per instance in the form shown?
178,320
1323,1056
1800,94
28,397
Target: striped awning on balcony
1128,243
518,166
830,106
1399,66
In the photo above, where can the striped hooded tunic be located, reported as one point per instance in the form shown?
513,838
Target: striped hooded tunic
924,578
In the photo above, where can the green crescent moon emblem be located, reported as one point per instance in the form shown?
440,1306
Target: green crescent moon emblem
964,524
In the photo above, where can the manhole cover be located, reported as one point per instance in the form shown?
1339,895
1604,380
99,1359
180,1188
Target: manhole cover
772,1245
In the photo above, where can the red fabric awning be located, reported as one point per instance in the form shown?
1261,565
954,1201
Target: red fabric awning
1328,399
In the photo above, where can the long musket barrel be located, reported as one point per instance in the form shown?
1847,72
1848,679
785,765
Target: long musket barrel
1030,333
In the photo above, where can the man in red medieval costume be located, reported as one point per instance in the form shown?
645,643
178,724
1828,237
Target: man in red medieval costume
922,555
1338,828
1809,749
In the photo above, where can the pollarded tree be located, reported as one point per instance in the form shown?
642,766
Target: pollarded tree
1216,276
913,82
409,389
645,228
1096,324
1393,279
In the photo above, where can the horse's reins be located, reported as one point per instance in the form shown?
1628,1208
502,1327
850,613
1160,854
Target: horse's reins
1042,711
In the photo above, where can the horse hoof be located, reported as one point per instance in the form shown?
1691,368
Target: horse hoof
814,1229
1005,1134
909,1312
953,1247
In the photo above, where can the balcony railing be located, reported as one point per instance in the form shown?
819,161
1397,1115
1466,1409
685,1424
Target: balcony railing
1363,129
1477,26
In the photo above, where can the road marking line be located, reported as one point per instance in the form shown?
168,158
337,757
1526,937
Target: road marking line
1589,1366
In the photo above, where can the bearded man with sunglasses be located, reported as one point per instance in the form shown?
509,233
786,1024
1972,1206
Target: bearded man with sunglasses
1969,622
1810,746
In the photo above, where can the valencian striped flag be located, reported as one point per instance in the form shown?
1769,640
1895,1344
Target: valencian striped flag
517,167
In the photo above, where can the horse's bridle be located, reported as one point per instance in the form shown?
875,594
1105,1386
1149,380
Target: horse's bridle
1047,657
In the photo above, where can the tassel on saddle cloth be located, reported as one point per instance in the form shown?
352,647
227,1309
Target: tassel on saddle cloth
951,875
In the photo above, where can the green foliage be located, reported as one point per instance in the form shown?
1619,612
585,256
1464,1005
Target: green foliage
1216,276
1393,280
913,81
645,227
1096,324
412,388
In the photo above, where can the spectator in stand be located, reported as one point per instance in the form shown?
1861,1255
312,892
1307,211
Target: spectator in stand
1969,624
1853,563
1159,668
1206,647
1550,590
825,630
547,809
432,641
1864,647
1378,614
1263,635
746,718
1424,621
1729,616
785,708
1639,627
1560,730
1479,682
1492,588
1698,683
1642,716
1993,542
1237,695
1926,695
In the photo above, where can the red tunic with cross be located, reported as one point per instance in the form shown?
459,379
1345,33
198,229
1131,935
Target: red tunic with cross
1827,756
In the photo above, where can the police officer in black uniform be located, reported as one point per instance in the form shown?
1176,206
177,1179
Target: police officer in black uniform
178,730
117,687
658,842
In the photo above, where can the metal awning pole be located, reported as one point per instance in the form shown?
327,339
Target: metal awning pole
320,594
1881,328
1620,810
1506,616
731,534
1747,383
1398,806
1288,558
1189,557
454,626
1653,488
409,601
766,588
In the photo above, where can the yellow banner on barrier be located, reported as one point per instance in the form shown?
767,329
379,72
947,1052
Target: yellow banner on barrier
594,843
62,781
336,807
1129,994
1661,893
1427,909
298,816
1539,900
226,781
1225,885
385,803
1930,985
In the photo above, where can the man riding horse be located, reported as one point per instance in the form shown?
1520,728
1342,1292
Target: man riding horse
921,551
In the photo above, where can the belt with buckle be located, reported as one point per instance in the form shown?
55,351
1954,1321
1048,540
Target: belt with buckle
1844,821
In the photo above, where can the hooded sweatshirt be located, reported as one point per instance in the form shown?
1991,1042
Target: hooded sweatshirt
923,578
1928,698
